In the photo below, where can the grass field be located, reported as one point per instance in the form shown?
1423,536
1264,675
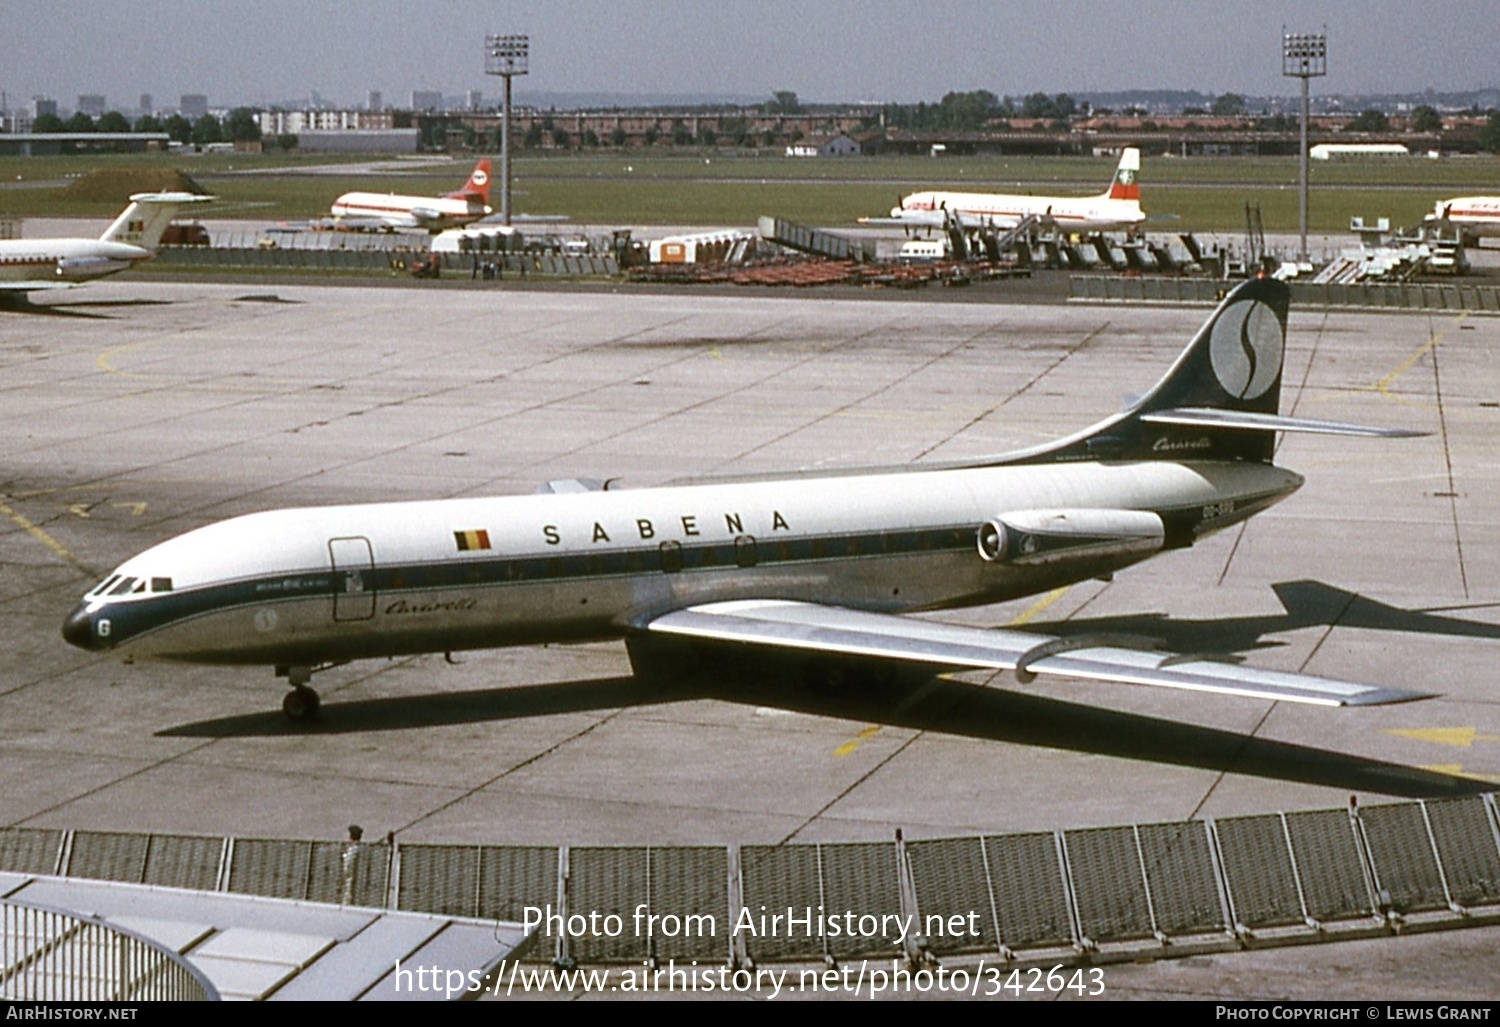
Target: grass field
717,188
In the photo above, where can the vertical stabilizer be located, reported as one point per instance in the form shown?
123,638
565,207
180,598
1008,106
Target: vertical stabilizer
143,222
1126,184
478,185
1229,374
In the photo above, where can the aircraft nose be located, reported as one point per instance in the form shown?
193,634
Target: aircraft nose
78,629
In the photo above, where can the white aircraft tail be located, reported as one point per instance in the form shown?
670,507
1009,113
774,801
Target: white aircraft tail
1126,183
143,222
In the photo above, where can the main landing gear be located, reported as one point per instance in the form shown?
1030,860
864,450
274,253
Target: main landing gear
302,702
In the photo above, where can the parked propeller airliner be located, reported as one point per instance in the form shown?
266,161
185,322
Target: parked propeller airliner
817,567
1117,207
1477,217
30,265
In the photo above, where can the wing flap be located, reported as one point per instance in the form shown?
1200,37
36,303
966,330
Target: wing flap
826,629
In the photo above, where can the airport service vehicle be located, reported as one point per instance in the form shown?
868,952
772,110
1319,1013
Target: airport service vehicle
1118,207
389,211
818,568
32,265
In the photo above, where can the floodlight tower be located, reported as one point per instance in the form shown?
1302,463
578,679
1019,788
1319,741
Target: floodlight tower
505,56
1304,55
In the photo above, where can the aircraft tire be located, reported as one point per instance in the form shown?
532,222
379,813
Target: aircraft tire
301,703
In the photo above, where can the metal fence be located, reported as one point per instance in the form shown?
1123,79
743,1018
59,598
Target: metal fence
47,955
1071,895
397,258
1455,295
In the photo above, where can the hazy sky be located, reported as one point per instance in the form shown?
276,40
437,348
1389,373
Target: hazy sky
249,51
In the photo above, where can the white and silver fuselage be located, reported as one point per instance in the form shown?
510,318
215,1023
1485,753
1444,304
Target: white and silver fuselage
68,260
327,584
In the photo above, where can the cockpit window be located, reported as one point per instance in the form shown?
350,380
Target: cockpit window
103,586
122,587
161,584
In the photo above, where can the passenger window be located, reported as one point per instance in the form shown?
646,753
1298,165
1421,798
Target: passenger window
161,584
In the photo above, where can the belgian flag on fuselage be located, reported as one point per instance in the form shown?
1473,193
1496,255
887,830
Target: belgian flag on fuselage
468,541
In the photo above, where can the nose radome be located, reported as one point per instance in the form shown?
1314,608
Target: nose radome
78,629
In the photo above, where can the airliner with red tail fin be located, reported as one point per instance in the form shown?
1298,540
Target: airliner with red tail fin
1117,207
390,211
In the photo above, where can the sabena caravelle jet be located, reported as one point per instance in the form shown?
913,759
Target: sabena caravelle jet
817,567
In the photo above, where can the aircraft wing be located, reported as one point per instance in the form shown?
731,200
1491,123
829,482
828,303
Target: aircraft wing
942,219
809,627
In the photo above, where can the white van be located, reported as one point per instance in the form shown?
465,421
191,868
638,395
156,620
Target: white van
917,251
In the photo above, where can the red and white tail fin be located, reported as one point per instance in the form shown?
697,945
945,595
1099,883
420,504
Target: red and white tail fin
478,185
1126,185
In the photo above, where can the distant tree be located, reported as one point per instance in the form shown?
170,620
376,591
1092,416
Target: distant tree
47,123
1369,121
79,122
1489,135
618,137
286,141
206,130
242,125
707,136
967,111
680,134
1040,105
560,138
1277,123
113,121
652,134
534,136
1425,118
783,101
736,128
1037,105
1228,105
148,123
768,137
591,139
179,128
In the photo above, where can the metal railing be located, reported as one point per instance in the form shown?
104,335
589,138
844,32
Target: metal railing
47,955
1070,895
1456,295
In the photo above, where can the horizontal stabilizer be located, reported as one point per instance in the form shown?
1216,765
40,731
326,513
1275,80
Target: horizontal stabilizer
179,198
809,627
1203,417
34,285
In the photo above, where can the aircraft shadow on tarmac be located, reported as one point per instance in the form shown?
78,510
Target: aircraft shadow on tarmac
915,700
1307,604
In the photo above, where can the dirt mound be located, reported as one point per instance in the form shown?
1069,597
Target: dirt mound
114,185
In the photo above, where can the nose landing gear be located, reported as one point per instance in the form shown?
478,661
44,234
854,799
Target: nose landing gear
302,702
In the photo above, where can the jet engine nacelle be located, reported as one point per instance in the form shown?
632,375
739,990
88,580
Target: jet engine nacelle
77,269
1033,537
